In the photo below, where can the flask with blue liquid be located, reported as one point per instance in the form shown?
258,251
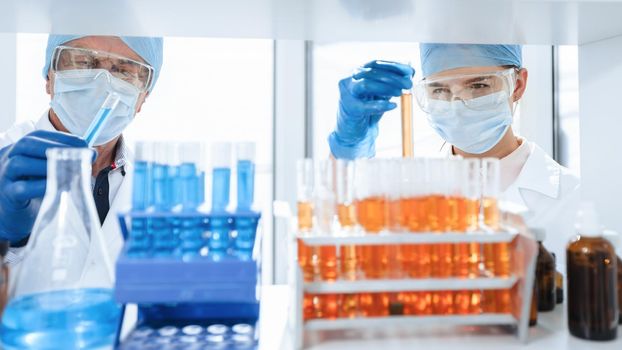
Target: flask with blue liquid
63,291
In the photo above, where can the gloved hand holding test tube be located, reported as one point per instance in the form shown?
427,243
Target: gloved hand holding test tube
100,120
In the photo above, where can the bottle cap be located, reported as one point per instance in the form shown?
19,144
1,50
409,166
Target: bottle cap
245,151
221,155
588,223
539,233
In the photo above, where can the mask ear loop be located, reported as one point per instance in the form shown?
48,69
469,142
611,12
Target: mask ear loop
513,88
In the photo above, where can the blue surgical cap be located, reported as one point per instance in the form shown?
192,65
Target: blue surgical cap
439,57
150,49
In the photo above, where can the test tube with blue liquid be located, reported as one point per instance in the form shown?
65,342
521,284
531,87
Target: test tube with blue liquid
160,231
139,240
101,118
191,229
220,221
245,219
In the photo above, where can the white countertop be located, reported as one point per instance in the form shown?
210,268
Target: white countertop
550,333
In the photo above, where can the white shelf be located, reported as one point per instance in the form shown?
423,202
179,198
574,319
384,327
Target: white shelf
411,238
474,21
405,321
424,284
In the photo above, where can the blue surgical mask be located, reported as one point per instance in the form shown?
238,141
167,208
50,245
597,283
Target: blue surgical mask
475,129
79,94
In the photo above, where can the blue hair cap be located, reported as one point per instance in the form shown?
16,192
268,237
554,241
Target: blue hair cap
439,57
150,49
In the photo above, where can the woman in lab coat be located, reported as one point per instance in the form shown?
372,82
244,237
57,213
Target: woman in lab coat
469,93
80,71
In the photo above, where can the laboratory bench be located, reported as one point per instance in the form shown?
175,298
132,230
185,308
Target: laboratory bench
550,333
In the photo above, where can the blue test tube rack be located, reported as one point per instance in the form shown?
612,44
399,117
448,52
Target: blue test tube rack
173,289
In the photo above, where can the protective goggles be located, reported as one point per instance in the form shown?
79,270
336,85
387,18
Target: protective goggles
468,89
71,58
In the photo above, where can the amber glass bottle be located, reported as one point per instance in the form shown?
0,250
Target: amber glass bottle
533,312
545,274
592,280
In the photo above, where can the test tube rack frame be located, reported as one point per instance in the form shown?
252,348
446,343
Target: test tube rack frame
520,281
173,289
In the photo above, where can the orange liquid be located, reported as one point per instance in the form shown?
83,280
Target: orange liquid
349,262
328,306
464,214
442,211
498,254
374,304
346,215
372,215
349,305
327,263
416,258
308,307
305,216
306,260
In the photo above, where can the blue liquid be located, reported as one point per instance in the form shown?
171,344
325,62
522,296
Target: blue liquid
246,226
101,117
220,188
139,241
189,186
67,319
219,240
201,189
173,195
246,183
191,230
160,229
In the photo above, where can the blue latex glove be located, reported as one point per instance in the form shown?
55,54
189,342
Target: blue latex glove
23,169
364,98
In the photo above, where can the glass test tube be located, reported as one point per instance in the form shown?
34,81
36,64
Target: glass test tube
349,254
245,152
159,228
439,217
220,222
306,255
496,255
221,175
416,257
191,231
325,216
372,213
406,100
139,241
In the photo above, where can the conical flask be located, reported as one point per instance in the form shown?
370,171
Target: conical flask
66,249
63,295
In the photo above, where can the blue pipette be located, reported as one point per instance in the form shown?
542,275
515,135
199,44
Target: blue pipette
101,118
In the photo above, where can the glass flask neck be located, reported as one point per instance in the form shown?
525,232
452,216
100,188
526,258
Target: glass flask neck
69,170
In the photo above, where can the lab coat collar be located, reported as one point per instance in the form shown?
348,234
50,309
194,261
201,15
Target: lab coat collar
540,173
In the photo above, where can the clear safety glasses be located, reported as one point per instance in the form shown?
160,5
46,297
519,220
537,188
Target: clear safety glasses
72,58
470,89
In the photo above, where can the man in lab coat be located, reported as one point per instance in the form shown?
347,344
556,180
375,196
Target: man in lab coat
469,93
80,72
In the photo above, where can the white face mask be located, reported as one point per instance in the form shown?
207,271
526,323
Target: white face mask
475,129
79,94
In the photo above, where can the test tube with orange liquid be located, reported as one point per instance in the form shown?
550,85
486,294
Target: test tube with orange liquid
497,256
306,255
325,217
467,183
439,218
372,216
346,215
416,258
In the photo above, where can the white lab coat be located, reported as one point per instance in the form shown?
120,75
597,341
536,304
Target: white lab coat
551,194
112,236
